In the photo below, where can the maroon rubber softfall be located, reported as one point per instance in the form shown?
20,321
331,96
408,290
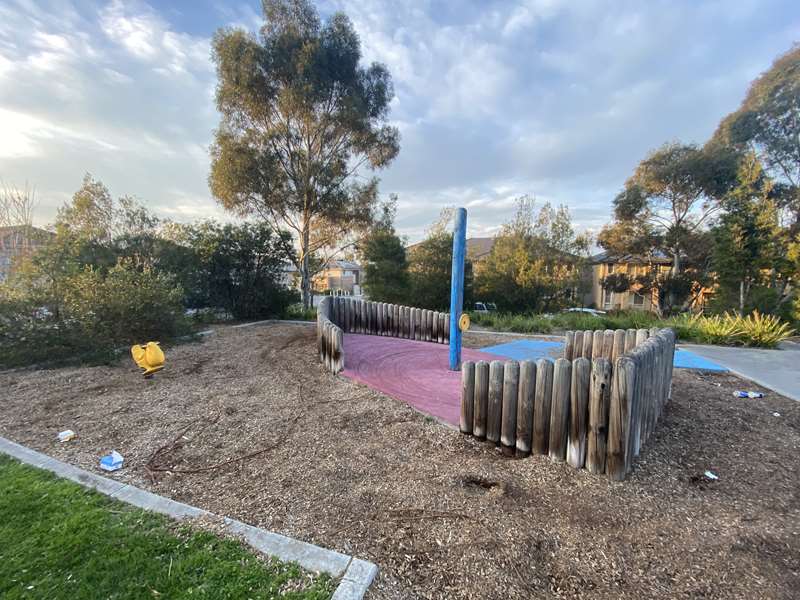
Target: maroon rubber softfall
415,372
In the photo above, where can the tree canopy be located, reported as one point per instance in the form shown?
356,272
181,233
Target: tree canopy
768,123
300,118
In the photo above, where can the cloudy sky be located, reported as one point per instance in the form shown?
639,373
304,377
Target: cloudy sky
555,98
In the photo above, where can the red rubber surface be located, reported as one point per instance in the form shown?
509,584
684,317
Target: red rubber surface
414,372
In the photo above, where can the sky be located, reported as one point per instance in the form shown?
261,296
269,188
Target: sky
558,99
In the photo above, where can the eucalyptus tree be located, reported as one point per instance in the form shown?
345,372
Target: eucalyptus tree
302,124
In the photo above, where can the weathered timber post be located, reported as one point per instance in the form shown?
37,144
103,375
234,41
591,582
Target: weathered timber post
541,405
525,406
599,399
508,431
579,411
467,397
559,409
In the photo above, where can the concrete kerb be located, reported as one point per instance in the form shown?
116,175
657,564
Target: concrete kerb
356,574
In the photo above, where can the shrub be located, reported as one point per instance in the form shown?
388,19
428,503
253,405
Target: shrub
93,315
731,330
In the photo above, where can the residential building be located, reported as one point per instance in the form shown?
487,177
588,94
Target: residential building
17,241
605,264
339,277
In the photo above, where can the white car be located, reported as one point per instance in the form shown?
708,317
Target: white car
588,311
485,307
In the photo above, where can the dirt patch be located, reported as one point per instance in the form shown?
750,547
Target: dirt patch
253,428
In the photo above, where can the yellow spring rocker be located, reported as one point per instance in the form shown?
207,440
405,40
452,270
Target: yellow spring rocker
149,357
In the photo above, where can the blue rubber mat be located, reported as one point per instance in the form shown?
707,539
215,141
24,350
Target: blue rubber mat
536,349
689,360
527,350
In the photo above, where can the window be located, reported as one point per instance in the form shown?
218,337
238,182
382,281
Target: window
638,299
608,297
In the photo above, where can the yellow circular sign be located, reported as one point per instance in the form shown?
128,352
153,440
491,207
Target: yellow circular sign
463,322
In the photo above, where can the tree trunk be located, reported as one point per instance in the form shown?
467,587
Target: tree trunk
741,297
676,270
305,281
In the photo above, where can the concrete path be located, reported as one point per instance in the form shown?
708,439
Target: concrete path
778,370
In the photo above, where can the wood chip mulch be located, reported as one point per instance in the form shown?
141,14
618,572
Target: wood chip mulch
247,424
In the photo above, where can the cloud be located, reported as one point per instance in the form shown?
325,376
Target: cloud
115,91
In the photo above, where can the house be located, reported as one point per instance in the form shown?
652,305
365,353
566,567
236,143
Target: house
605,264
18,241
339,277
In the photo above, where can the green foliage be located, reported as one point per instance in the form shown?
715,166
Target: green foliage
729,330
300,117
767,123
296,312
63,541
430,265
385,266
747,240
733,330
87,315
240,268
536,262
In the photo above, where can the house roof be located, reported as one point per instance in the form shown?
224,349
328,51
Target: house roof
607,257
343,264
477,247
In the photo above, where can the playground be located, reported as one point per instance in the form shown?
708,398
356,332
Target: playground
443,515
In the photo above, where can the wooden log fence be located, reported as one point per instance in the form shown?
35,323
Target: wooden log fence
594,409
337,315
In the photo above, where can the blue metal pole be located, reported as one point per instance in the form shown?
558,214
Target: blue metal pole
457,287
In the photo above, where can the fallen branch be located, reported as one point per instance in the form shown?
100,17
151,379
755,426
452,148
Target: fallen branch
152,467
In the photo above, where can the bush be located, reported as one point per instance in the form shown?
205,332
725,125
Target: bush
92,316
759,330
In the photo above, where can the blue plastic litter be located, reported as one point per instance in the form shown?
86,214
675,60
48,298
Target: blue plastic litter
111,462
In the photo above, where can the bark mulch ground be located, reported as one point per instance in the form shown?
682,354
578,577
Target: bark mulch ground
247,424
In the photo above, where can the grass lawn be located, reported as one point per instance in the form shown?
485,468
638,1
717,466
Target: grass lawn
59,540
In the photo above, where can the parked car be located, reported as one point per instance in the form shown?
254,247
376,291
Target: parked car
485,307
588,311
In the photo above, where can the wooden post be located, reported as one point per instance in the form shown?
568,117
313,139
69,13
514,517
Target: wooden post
404,322
559,410
569,345
597,344
508,430
327,347
446,328
588,340
467,396
338,356
608,344
481,404
578,348
618,348
624,381
579,411
426,325
630,339
398,315
494,416
599,399
412,323
541,405
435,326
641,336
525,404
